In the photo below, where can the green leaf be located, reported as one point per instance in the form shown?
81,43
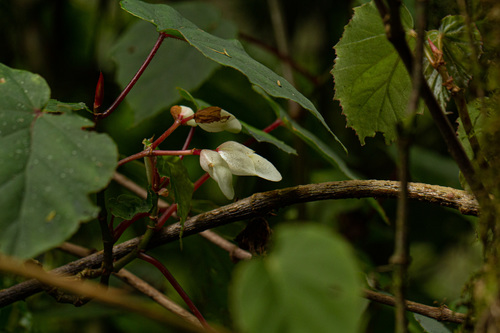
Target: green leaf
48,167
175,63
452,38
57,106
371,82
227,52
309,282
127,206
198,103
430,325
261,136
172,166
309,138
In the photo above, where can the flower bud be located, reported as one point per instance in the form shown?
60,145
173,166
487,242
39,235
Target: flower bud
184,111
214,119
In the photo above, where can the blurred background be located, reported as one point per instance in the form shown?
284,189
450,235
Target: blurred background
68,42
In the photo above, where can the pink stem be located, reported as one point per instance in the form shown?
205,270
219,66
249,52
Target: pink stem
175,284
125,224
134,80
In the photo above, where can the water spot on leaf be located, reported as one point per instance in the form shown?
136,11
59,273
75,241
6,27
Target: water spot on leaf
50,157
74,152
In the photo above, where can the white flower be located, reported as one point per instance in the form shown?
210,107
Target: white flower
185,112
218,169
214,119
243,161
232,158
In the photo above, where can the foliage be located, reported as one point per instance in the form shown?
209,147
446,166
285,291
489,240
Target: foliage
123,176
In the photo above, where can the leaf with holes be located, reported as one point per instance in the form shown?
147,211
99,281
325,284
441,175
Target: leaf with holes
227,52
48,166
371,82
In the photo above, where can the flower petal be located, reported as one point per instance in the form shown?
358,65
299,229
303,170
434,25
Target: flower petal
217,168
265,169
236,156
228,123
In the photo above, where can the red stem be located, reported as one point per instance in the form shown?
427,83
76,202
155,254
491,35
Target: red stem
145,153
166,215
275,124
176,285
188,140
125,224
134,80
165,134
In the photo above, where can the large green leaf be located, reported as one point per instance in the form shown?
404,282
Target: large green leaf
48,166
308,283
227,52
175,64
371,82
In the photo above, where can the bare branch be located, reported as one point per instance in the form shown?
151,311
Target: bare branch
260,204
441,313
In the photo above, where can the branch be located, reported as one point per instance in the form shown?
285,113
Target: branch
441,313
257,205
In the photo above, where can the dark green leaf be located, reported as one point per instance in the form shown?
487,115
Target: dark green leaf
261,136
227,52
48,167
172,166
127,206
198,103
175,64
308,283
309,138
371,82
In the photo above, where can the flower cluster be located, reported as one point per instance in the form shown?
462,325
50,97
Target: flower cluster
232,158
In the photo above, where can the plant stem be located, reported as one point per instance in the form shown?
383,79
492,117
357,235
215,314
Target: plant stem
148,152
134,80
188,140
176,286
165,134
107,240
165,216
125,224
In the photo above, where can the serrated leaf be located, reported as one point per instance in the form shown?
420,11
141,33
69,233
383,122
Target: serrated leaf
261,136
172,166
227,52
175,63
371,82
48,167
126,206
308,283
452,38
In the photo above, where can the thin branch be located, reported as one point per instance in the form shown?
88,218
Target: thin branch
110,295
441,313
260,204
233,249
139,284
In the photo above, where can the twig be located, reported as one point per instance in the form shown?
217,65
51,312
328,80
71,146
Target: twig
257,205
139,284
111,296
441,313
233,249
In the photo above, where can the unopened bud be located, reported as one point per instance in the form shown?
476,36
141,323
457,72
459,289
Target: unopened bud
211,114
